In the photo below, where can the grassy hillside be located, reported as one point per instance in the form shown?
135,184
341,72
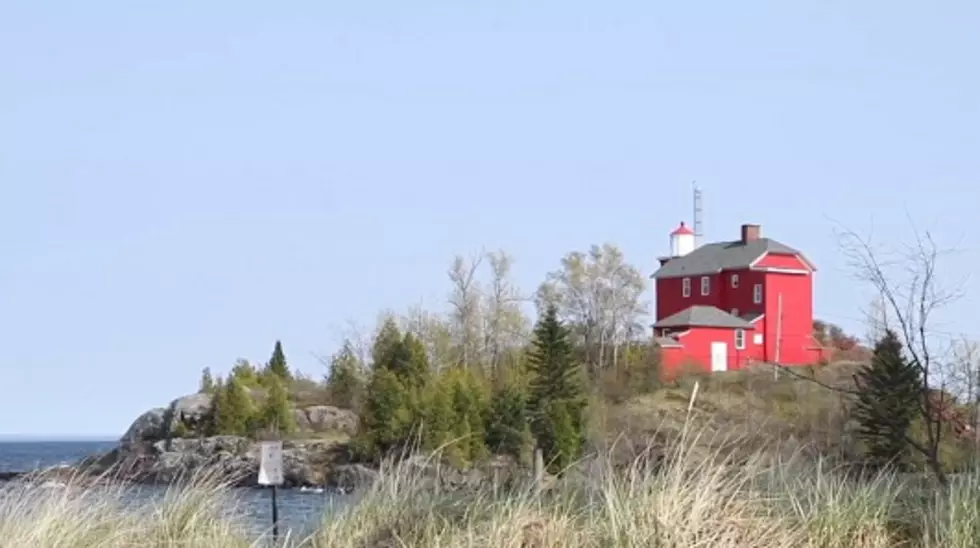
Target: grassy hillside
756,410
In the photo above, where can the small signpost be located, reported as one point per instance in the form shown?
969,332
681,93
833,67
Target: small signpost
270,473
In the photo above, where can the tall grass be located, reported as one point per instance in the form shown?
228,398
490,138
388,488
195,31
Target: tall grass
687,498
79,512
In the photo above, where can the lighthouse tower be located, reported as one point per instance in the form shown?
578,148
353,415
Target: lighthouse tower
681,241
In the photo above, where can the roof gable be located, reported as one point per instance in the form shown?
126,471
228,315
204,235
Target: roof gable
715,257
703,316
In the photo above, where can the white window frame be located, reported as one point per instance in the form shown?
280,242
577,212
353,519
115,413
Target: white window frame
705,286
686,287
757,294
739,339
735,312
734,281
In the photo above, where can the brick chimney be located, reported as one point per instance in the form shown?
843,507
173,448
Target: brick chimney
751,232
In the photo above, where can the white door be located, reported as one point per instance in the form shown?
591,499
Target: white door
719,356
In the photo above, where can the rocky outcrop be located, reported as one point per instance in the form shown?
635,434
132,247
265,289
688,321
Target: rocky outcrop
234,459
152,452
161,423
326,418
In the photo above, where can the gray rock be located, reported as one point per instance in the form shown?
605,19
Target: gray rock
352,476
302,420
231,458
160,423
194,407
147,427
323,418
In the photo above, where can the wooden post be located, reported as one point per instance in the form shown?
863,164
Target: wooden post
538,470
275,517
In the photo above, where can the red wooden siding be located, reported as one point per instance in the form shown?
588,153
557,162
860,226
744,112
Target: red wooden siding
773,260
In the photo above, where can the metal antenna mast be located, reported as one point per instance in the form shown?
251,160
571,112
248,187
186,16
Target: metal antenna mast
698,232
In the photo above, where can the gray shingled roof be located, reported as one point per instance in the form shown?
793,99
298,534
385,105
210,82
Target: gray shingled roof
703,316
666,341
751,316
715,257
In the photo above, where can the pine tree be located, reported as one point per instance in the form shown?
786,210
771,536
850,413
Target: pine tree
440,420
277,363
507,430
470,406
386,416
235,411
345,382
207,382
889,390
386,344
276,412
412,365
557,400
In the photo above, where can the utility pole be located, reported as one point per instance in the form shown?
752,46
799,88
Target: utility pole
779,332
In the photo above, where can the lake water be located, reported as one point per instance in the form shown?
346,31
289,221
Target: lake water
298,511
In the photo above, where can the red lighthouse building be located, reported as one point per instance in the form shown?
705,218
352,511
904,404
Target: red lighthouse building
724,305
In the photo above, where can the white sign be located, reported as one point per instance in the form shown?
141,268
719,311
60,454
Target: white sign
270,463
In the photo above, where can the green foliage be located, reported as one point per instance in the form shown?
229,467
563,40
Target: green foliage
386,416
889,390
395,403
277,363
470,399
557,393
276,414
406,358
414,368
233,409
245,373
207,382
507,430
438,428
386,344
345,382
561,434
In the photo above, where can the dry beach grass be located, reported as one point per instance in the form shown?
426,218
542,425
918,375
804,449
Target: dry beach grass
697,492
693,500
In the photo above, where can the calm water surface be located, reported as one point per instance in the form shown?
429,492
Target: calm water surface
299,511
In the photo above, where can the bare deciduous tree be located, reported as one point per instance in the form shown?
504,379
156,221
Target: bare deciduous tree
911,295
601,296
434,332
506,324
466,302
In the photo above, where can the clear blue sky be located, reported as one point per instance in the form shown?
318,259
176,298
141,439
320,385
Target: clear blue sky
183,183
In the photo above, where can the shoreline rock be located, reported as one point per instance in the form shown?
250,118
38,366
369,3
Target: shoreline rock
152,453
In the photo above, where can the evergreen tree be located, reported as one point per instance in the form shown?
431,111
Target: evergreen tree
345,382
245,373
557,394
234,409
412,363
440,420
386,344
470,406
276,413
507,431
277,363
207,382
889,390
386,416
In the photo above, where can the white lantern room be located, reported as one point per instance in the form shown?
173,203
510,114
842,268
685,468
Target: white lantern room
681,241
